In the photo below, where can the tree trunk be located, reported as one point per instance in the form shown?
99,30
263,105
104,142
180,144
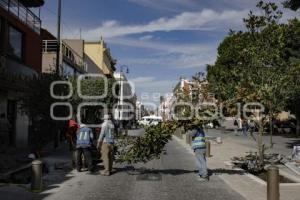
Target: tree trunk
298,127
260,144
271,131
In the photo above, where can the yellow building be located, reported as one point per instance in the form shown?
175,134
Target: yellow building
98,53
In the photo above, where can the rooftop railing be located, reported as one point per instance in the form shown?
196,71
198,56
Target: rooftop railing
50,46
22,13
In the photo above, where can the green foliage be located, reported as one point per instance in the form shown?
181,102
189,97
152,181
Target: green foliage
93,87
254,65
201,88
37,102
270,15
147,147
293,102
292,4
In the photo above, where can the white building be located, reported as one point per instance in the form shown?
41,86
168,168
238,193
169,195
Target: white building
165,107
140,110
125,109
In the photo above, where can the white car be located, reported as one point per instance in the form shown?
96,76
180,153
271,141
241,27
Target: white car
150,120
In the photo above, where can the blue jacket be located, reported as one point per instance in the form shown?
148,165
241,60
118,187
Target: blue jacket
107,134
84,137
198,141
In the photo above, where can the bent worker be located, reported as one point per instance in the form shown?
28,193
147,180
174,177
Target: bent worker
199,147
83,146
106,144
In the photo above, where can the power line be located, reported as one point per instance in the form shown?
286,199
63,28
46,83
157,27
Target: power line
74,33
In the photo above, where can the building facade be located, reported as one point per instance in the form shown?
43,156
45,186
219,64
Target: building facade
191,92
126,108
21,55
98,55
72,58
165,107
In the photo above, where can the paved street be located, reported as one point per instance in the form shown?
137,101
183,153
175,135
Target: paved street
282,144
171,177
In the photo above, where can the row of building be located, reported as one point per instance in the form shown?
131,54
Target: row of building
185,91
27,49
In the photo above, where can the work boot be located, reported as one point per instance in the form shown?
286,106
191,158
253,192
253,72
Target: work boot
92,173
105,173
203,179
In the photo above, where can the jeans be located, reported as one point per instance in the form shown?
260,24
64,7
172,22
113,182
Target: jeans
87,157
245,130
201,162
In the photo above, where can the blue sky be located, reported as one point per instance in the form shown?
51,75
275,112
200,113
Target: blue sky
159,40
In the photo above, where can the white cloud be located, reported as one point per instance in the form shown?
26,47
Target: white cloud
160,46
142,79
206,19
176,61
169,5
146,37
171,55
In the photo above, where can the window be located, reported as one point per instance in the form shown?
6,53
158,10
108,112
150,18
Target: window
15,43
68,70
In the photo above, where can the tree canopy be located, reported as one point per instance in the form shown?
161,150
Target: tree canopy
259,64
292,4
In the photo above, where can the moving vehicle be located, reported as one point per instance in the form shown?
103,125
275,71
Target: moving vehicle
150,120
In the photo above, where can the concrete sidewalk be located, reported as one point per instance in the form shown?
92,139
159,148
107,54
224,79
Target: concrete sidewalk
246,185
58,163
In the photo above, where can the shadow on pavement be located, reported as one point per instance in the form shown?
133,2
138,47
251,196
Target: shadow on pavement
225,171
138,171
291,144
174,172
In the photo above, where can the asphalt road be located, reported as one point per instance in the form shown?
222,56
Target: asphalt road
172,177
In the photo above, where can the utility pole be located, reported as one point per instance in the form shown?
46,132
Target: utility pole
58,38
57,132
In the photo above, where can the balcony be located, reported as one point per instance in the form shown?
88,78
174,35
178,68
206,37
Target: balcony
23,13
68,54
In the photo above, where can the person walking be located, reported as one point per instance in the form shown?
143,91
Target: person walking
106,144
199,147
245,127
236,126
83,147
71,138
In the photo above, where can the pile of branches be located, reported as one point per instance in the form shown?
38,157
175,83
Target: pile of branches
147,147
252,164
